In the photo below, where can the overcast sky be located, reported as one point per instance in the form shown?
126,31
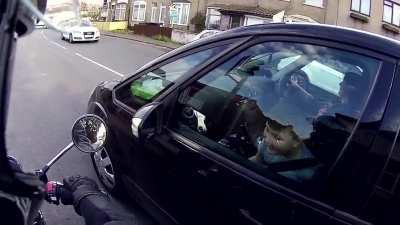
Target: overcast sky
98,2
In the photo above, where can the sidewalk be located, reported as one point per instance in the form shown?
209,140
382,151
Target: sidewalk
140,38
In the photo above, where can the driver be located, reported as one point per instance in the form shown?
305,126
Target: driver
294,103
21,194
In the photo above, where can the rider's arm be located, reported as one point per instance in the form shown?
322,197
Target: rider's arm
93,205
100,210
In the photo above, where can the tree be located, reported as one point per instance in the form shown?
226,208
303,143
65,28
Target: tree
198,21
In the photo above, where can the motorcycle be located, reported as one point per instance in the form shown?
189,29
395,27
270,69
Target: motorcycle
88,135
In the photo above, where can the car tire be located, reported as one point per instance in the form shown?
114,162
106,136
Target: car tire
62,37
106,171
70,39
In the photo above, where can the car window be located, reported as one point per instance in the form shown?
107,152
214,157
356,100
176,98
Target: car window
284,108
142,90
332,77
86,23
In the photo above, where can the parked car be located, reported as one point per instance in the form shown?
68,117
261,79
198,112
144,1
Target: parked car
265,124
204,33
83,31
40,25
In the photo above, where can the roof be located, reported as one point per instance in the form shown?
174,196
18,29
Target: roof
344,35
180,1
301,18
250,10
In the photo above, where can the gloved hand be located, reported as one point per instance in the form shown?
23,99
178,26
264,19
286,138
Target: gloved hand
81,187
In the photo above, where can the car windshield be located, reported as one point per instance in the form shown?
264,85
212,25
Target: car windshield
86,23
332,78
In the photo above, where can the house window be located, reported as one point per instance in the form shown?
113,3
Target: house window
139,10
252,20
236,21
120,11
179,13
154,14
163,13
317,3
391,12
213,18
361,6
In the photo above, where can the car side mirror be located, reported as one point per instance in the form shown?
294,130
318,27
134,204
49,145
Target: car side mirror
146,121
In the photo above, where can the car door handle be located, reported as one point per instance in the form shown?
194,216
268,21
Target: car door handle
207,172
246,214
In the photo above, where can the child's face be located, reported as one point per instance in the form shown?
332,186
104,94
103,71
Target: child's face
279,141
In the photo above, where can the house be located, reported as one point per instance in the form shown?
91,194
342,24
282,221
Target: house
114,10
382,17
172,13
224,17
377,16
89,10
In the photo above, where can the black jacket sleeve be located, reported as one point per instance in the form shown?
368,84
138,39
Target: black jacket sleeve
100,210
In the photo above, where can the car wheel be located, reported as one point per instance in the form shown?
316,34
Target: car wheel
106,172
62,37
104,168
71,40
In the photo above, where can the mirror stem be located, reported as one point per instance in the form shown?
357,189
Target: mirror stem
57,157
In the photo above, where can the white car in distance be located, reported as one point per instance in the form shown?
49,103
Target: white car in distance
83,31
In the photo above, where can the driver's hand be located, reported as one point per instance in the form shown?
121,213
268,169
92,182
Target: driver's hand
81,187
297,81
294,81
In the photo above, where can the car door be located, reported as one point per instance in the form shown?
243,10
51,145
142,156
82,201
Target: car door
219,126
383,203
145,169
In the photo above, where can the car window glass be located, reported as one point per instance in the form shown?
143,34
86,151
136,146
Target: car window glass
282,107
142,90
86,23
329,82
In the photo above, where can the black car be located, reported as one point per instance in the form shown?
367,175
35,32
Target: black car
266,124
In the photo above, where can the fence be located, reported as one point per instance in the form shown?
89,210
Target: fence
108,26
181,36
151,30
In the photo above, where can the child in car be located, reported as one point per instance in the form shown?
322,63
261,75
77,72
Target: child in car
280,143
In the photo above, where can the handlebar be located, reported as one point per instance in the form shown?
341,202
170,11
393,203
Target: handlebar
55,192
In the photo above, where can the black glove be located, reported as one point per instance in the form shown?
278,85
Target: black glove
81,187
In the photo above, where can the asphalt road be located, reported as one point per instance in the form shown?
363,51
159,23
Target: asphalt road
50,89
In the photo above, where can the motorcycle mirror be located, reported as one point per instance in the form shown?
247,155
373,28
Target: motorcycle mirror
89,133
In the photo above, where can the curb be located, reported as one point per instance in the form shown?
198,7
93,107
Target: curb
133,39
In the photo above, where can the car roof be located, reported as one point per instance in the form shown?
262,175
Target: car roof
350,36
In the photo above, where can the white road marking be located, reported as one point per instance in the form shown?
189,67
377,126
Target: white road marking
101,65
55,43
44,36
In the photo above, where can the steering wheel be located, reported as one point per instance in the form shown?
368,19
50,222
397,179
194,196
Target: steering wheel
298,80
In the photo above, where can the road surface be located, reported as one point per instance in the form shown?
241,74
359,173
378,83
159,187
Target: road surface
50,88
